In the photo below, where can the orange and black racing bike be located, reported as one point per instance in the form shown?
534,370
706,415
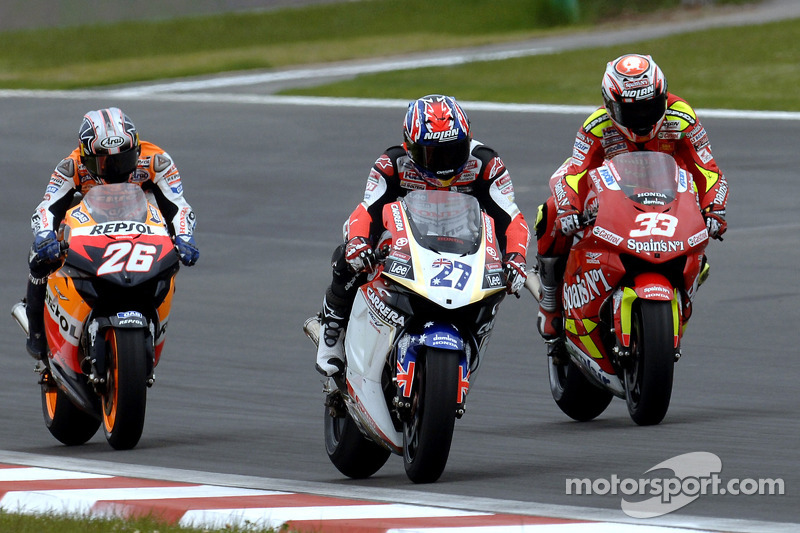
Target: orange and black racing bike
106,313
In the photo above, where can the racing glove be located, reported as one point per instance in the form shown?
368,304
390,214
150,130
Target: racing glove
514,268
568,222
187,249
46,246
715,222
359,255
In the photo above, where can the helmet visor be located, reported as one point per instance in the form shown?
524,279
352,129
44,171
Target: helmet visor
640,116
114,168
442,160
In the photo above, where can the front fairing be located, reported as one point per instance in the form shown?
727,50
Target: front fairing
646,207
444,248
120,258
647,217
117,236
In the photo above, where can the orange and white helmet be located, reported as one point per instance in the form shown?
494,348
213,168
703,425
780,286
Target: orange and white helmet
635,96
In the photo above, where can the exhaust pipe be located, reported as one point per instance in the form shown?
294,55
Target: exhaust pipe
18,312
311,328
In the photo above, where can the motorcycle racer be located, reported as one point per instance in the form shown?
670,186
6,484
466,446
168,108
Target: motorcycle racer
638,113
109,151
438,152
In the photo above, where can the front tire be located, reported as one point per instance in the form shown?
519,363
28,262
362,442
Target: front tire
427,437
125,397
575,395
648,379
353,454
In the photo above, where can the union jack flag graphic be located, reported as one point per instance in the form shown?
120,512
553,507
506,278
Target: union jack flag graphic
442,262
463,383
405,376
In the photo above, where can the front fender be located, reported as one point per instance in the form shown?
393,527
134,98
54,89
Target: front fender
645,286
442,336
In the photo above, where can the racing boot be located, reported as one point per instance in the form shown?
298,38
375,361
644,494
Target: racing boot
34,309
550,320
333,322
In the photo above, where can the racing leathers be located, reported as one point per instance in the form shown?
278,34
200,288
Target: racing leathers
681,135
392,176
155,173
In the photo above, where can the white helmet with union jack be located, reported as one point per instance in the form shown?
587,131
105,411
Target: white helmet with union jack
635,96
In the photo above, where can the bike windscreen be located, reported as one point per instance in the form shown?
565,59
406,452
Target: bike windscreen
444,221
116,201
647,178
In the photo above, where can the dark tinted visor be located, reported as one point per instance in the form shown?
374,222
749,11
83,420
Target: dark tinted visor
642,115
114,168
443,160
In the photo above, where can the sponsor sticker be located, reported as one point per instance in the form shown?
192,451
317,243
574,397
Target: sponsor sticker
606,235
698,238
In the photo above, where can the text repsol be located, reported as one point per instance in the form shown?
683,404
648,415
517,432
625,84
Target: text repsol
121,227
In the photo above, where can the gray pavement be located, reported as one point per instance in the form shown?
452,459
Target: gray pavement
236,392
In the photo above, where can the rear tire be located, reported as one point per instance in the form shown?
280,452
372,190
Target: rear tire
65,421
427,437
353,454
648,380
125,399
575,395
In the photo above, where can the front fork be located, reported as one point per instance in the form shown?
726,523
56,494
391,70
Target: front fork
646,286
410,348
95,358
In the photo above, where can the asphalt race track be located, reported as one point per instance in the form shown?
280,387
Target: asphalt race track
236,391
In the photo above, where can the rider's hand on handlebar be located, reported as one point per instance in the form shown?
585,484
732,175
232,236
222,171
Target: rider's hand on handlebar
568,222
359,255
515,270
715,222
187,249
46,246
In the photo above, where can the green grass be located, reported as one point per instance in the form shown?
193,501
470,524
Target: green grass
735,68
52,523
101,55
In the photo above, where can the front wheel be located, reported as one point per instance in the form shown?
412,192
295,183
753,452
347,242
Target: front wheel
648,379
353,454
575,395
427,437
125,396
